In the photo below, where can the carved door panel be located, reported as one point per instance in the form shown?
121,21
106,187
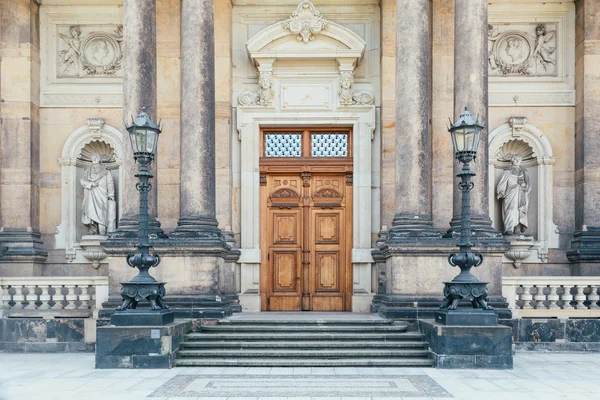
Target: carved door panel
328,260
283,232
306,263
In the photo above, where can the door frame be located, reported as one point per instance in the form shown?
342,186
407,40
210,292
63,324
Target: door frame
250,120
314,166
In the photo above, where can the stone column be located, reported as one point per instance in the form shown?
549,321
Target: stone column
413,139
471,90
139,90
585,246
197,218
20,138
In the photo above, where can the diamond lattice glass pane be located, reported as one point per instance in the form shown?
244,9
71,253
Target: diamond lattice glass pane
283,145
329,145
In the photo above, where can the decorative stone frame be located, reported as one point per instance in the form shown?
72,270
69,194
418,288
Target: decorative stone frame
91,91
308,97
94,130
543,159
556,90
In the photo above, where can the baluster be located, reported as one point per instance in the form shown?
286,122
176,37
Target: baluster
553,297
566,297
31,297
593,297
18,297
58,298
580,298
85,298
70,297
540,297
526,297
5,297
44,298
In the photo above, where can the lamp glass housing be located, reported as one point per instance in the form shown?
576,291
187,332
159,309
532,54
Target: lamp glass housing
143,134
466,133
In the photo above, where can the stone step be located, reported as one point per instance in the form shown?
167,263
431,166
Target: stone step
358,329
311,322
311,362
324,336
360,344
302,354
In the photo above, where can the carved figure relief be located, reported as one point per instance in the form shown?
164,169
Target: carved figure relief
266,94
522,50
514,189
346,88
306,21
99,209
89,51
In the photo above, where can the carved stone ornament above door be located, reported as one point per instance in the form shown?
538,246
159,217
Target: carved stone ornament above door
306,38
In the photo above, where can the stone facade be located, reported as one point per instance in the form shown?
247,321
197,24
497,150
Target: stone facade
70,73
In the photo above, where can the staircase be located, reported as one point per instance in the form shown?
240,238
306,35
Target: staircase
289,342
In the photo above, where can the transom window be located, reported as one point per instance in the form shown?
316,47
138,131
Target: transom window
314,143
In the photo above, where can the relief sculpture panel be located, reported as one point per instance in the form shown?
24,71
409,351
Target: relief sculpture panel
527,50
89,51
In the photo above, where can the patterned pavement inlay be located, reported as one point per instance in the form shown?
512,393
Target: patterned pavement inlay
300,386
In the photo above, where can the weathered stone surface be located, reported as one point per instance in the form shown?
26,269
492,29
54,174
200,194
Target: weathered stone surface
469,346
139,90
413,138
19,335
139,347
471,91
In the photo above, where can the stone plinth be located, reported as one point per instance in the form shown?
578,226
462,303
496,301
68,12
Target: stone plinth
142,317
199,280
411,277
139,346
454,346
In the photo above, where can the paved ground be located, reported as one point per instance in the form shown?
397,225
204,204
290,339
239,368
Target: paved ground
72,376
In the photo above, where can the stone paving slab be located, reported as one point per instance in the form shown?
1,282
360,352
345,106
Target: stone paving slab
536,376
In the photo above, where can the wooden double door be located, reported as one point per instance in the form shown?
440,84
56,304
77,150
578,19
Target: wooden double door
306,233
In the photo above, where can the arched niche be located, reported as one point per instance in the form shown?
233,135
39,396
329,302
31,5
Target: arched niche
94,137
306,62
519,137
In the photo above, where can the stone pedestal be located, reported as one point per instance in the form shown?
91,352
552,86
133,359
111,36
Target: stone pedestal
410,278
200,279
92,250
139,346
142,318
519,248
480,344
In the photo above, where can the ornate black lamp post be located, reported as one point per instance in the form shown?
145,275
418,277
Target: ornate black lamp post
465,139
143,134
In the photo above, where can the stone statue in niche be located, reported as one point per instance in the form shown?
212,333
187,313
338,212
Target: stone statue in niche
514,189
99,210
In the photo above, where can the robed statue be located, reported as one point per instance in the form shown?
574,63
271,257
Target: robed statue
99,206
513,189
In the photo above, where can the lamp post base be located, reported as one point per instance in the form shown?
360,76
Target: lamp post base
475,292
466,317
133,292
142,318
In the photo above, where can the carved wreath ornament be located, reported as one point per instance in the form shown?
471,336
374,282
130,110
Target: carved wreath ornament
96,53
306,21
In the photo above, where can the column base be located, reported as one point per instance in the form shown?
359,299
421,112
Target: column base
412,228
22,246
199,229
482,230
585,246
129,229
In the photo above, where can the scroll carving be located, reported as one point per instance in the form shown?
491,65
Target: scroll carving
306,22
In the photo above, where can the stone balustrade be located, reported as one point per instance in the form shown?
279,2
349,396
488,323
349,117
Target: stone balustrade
556,296
52,297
